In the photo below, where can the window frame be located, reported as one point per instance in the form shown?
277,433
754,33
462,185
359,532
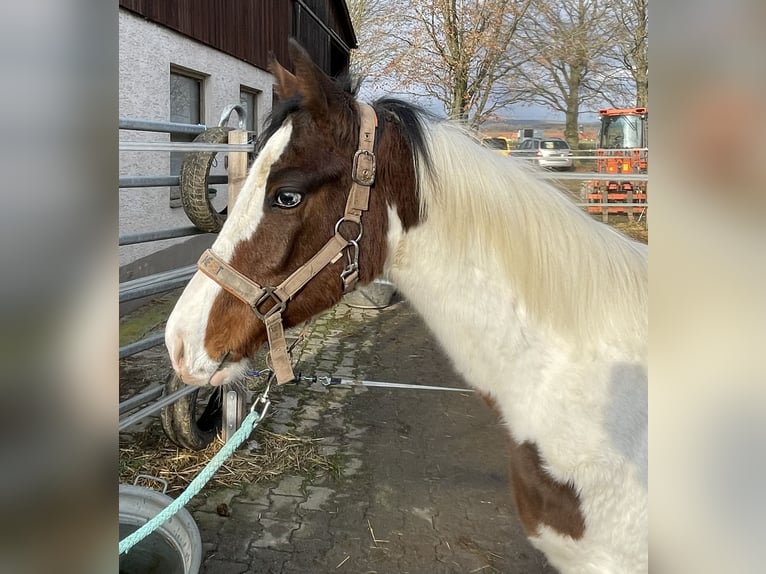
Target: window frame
252,124
176,158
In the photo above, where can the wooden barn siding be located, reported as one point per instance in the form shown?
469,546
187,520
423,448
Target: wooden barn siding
330,51
336,17
246,29
309,33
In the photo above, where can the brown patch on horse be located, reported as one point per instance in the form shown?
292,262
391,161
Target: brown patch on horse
540,499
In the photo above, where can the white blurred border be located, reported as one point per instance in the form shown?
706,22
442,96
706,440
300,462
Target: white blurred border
707,269
58,293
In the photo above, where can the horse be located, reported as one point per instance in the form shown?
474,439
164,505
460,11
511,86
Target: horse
543,310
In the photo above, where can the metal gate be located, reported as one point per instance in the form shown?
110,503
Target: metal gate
176,401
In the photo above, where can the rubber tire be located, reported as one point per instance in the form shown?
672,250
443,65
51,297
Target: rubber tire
180,422
193,182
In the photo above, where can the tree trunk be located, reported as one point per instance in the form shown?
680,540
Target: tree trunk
572,114
571,128
642,88
459,97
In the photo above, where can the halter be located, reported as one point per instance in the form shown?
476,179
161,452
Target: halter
250,292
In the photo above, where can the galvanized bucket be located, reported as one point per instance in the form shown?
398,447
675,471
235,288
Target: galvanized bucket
375,295
174,548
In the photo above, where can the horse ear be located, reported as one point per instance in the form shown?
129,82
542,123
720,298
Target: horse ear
313,84
287,83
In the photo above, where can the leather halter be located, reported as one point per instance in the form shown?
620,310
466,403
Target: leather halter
247,290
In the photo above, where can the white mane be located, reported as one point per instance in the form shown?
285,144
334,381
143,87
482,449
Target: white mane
573,274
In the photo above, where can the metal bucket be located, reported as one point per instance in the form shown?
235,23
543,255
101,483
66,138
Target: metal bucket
375,295
174,548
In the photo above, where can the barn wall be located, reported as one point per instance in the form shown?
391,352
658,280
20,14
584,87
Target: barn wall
251,30
147,52
225,42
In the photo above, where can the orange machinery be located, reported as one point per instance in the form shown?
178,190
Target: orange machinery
622,151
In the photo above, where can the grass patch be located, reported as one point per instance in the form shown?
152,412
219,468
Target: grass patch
147,318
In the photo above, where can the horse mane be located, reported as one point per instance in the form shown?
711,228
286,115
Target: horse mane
577,276
411,122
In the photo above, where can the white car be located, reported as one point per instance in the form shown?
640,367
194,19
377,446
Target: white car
551,153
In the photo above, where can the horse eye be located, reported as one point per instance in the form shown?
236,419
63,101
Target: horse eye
287,198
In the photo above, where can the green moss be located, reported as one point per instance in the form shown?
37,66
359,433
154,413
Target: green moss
142,321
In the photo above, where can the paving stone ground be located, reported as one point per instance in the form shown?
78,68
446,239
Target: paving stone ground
424,482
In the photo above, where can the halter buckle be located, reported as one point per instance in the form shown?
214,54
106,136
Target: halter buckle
268,293
363,170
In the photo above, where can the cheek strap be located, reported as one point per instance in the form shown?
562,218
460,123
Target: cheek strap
256,296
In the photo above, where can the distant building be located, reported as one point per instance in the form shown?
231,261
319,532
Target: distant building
528,133
185,61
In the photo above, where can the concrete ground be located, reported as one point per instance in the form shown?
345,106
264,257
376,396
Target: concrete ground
424,484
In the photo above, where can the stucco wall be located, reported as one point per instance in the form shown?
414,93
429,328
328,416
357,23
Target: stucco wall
146,53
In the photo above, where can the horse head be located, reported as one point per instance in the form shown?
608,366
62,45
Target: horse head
293,202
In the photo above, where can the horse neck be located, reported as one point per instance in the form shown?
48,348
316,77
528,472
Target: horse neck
496,243
539,319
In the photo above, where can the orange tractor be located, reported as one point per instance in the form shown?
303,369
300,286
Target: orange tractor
622,152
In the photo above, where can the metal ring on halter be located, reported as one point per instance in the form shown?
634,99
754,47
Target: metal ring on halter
343,220
279,304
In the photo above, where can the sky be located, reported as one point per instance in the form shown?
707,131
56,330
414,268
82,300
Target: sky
519,112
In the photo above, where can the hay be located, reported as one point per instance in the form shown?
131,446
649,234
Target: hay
265,456
635,229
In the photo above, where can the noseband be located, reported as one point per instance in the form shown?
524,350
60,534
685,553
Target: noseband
256,296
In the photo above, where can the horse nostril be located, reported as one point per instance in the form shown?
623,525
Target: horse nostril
177,357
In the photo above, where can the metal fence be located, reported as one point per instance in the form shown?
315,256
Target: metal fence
596,198
165,281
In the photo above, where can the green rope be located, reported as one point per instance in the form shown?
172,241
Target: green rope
248,425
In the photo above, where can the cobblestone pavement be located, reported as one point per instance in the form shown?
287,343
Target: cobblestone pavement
424,483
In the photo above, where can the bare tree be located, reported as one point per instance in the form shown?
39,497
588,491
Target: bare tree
373,23
633,44
569,39
452,51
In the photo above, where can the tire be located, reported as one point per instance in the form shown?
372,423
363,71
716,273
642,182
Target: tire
180,422
193,182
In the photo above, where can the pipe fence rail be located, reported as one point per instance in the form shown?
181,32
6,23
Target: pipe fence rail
602,192
165,281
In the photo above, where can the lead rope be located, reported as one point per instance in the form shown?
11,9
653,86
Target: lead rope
251,421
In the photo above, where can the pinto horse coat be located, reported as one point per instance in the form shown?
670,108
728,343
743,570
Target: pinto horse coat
540,308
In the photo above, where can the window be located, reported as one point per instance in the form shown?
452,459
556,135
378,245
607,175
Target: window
186,108
621,132
555,144
248,99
